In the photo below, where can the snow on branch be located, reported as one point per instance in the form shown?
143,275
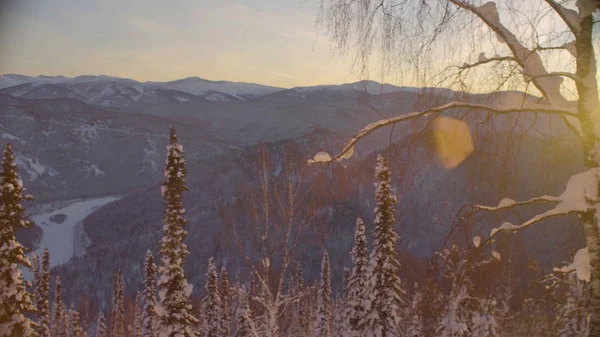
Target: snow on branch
348,149
507,203
580,195
580,265
529,60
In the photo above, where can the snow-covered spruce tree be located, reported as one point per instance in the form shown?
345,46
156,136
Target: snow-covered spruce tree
43,294
149,315
555,56
355,290
117,319
212,305
16,302
341,322
243,316
58,328
384,298
174,307
414,324
75,329
323,321
101,330
137,321
225,300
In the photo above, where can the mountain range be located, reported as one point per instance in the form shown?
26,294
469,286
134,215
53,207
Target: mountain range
104,138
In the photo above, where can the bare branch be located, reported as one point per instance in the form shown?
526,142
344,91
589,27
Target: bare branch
348,147
529,60
569,16
507,204
489,60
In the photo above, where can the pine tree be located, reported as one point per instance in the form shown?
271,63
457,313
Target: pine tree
137,322
117,319
212,306
243,320
355,289
75,323
16,302
149,316
323,322
225,299
101,330
384,299
43,293
174,306
58,318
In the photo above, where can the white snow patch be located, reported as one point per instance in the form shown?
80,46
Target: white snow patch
320,157
32,167
581,265
496,255
181,99
477,241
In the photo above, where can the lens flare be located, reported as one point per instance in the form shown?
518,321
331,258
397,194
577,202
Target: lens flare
453,141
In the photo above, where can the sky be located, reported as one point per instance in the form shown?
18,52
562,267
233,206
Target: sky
272,42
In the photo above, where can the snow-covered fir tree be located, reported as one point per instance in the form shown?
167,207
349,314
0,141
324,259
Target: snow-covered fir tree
458,305
355,290
341,322
212,304
225,300
574,319
243,316
117,320
36,270
43,296
75,329
174,307
137,321
16,302
58,318
384,298
101,330
323,321
149,314
414,323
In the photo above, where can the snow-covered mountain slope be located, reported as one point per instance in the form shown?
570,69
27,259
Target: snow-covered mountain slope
122,92
201,87
69,149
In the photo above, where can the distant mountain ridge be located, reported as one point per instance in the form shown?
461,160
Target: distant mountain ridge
119,92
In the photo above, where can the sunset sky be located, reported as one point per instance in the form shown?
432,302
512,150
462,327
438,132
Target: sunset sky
272,42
